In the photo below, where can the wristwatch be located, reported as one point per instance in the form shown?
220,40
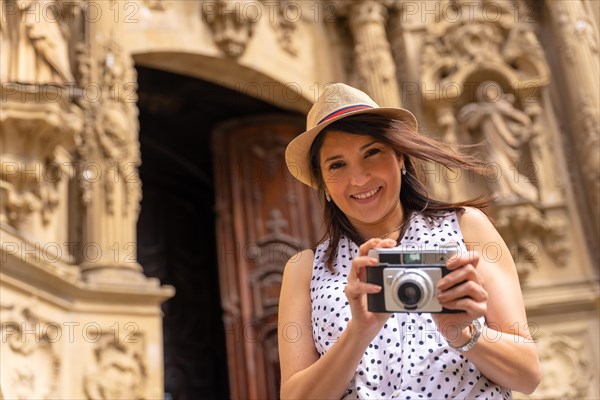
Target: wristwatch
475,329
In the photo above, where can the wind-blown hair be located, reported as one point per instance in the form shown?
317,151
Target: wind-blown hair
415,148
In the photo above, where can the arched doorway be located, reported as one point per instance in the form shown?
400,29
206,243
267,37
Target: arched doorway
176,228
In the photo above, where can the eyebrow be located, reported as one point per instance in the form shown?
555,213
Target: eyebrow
361,149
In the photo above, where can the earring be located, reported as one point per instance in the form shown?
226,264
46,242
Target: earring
327,197
403,171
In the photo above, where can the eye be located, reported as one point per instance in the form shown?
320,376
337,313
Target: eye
335,165
372,151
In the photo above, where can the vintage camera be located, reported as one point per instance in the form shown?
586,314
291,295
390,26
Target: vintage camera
408,279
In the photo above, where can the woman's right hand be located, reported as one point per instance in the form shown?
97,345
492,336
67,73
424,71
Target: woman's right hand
357,288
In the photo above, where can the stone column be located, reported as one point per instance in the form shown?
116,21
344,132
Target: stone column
110,188
577,39
375,65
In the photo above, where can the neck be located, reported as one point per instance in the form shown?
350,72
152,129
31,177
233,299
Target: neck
389,227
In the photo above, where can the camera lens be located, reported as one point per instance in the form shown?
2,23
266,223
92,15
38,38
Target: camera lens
412,289
409,293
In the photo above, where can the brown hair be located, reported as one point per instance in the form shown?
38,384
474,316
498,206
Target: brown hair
415,148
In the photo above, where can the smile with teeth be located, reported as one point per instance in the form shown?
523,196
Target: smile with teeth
363,196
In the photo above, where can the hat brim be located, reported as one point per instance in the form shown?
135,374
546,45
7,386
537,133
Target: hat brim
297,152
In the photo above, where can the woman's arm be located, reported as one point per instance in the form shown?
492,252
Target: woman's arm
505,352
305,375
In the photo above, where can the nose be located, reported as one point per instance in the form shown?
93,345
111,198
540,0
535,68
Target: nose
359,176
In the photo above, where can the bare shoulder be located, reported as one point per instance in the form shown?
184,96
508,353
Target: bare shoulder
480,235
472,216
299,266
474,225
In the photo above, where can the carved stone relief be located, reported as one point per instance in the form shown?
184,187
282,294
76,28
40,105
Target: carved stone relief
454,52
30,364
230,24
526,230
34,138
50,116
119,370
157,5
35,41
482,78
507,131
576,39
568,370
111,127
590,117
117,127
285,23
40,121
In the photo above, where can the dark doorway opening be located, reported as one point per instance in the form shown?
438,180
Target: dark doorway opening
176,226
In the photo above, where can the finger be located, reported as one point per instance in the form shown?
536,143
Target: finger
465,273
473,308
467,289
357,271
387,243
462,258
355,290
375,243
364,248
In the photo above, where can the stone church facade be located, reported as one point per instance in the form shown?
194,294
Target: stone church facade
160,279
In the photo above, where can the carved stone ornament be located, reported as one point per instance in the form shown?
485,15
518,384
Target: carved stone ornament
375,67
111,128
29,363
456,52
33,135
83,75
576,29
507,131
231,24
482,78
119,370
157,5
588,147
567,368
39,119
518,150
35,38
284,23
525,229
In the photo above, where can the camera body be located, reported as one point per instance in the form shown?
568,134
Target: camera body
408,279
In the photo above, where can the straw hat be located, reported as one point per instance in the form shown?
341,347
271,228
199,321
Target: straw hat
336,102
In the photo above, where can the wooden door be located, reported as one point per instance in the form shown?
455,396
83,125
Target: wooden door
264,216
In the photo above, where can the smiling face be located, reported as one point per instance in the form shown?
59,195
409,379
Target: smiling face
362,176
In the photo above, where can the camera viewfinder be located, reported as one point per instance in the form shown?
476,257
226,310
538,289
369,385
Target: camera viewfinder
412,258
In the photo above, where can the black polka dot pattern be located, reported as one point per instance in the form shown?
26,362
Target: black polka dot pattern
408,359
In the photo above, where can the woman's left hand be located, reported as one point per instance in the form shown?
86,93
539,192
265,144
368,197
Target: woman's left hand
461,289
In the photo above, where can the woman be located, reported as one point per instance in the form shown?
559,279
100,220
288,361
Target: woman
362,159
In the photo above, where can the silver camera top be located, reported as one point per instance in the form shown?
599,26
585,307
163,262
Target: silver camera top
414,256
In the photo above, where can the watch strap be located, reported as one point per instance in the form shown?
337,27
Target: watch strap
475,328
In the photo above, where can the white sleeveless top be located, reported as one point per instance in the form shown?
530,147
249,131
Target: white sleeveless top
409,358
